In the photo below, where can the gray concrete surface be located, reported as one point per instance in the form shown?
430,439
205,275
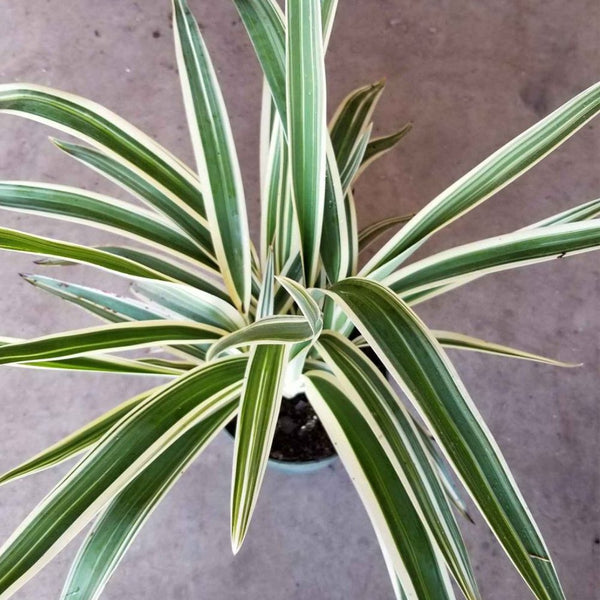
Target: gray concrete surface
470,75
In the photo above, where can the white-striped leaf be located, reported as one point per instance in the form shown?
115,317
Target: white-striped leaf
371,233
419,365
377,147
77,442
216,158
306,124
583,212
490,176
119,523
257,420
379,406
116,337
335,247
400,532
280,329
307,304
100,363
459,341
190,303
104,129
170,269
122,454
351,120
144,189
496,254
19,241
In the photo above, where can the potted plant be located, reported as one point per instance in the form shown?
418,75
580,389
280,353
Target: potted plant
244,330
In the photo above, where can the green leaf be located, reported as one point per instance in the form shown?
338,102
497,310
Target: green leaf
100,364
503,252
377,147
169,269
351,120
328,12
400,530
419,365
104,129
107,306
146,190
257,420
459,341
307,304
588,210
280,329
490,176
87,208
19,241
265,306
215,156
121,336
335,247
387,416
123,453
77,442
190,303
352,167
264,22
306,125
371,233
118,524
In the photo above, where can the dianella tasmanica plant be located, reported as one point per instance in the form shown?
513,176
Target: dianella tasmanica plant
242,329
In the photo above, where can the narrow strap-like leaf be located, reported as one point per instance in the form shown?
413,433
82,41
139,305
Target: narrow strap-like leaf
335,246
216,158
487,178
170,269
378,147
88,208
351,168
109,307
400,530
100,363
146,190
138,439
306,124
583,212
307,304
121,336
380,407
104,129
371,233
280,329
265,24
19,241
265,306
351,119
459,341
419,365
259,408
190,303
119,523
77,442
496,254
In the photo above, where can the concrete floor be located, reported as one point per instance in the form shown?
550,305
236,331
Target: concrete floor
470,75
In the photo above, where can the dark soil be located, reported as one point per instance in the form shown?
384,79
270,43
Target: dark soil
299,436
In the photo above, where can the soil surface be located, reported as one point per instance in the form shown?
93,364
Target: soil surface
300,436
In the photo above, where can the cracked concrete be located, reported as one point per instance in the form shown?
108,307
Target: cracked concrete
470,75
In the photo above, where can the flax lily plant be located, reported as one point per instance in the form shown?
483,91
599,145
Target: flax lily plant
242,329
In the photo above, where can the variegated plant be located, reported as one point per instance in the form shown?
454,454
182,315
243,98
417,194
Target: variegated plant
243,329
